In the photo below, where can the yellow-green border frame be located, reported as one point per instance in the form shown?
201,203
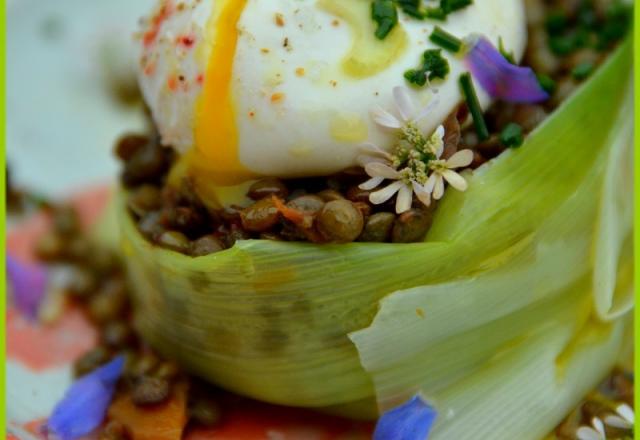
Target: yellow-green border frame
636,52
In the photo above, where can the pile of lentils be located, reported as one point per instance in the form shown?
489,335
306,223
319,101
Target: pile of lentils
95,282
319,210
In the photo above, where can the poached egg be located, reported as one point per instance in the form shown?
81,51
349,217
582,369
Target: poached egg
247,88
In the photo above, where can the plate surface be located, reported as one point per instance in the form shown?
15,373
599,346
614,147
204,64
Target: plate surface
62,117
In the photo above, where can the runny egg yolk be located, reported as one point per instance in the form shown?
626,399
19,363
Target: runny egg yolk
216,154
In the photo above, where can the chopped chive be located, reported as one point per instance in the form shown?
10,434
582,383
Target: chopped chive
436,13
511,136
412,8
445,40
547,83
385,14
582,70
469,92
449,6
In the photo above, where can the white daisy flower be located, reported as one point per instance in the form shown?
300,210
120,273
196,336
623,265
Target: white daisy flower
442,170
593,432
624,418
415,164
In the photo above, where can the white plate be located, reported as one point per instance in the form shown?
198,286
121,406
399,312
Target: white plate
62,119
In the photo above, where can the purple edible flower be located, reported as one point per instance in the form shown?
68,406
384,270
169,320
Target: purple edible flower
501,79
28,284
410,421
85,403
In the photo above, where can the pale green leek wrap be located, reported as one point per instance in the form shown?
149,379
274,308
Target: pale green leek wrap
513,308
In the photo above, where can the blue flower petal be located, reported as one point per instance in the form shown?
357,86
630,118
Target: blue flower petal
410,421
28,284
501,79
85,403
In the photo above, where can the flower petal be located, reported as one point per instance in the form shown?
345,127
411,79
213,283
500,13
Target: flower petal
501,79
438,190
85,403
371,183
617,422
423,195
385,193
375,169
461,159
626,412
586,433
28,285
455,180
363,160
433,102
431,183
384,118
598,425
403,102
373,149
410,421
404,200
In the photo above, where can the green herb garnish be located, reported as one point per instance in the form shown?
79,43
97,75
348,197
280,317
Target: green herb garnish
435,13
449,6
434,65
469,93
385,14
587,29
587,17
556,22
583,70
547,83
412,8
616,24
562,45
507,55
511,136
445,40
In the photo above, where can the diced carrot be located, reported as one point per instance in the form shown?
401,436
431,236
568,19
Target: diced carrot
161,422
290,214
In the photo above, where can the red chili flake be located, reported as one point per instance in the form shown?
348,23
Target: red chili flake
156,22
200,78
172,83
150,69
187,41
